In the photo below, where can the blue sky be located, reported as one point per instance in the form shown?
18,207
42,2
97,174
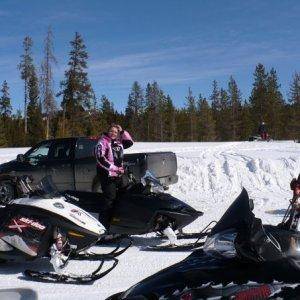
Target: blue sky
179,44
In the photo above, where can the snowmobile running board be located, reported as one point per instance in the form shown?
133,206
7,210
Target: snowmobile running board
184,247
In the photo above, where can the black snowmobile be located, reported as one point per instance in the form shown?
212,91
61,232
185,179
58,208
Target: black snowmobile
241,259
141,207
44,224
144,207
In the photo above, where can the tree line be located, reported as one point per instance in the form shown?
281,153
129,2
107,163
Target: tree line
150,114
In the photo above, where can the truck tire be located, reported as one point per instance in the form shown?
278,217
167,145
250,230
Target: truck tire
7,191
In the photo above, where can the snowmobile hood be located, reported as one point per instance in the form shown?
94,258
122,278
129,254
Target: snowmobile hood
237,215
59,206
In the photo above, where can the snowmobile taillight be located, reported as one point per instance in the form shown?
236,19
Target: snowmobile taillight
187,296
262,292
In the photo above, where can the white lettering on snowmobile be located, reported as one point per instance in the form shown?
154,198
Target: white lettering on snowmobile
32,223
76,218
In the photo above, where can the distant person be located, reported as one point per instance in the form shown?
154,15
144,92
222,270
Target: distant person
263,131
109,156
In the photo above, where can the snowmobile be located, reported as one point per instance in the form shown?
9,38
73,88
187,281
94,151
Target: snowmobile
44,224
144,207
241,259
141,207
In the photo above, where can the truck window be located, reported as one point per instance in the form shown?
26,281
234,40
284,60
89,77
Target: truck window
85,148
61,150
38,153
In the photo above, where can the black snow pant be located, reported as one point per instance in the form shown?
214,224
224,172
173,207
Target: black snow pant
109,186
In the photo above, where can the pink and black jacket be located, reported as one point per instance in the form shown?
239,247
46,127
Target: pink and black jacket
109,153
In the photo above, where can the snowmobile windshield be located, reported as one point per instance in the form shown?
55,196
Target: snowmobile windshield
238,216
150,180
45,188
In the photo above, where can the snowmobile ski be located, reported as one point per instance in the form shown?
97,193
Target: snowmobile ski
70,278
98,256
170,247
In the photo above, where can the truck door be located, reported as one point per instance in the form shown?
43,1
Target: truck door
60,164
85,164
35,161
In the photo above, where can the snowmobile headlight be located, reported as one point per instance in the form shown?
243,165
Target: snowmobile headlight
221,244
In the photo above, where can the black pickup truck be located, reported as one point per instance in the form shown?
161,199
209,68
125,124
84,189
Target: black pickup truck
72,165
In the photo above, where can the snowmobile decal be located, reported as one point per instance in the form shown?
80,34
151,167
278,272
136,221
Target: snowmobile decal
76,218
72,233
19,223
14,225
58,205
34,224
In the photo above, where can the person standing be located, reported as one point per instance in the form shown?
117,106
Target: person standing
109,153
263,131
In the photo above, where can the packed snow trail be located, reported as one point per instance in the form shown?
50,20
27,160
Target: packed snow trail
211,175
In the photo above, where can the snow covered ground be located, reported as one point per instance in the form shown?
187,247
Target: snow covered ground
211,175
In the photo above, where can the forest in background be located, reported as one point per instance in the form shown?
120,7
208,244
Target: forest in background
150,114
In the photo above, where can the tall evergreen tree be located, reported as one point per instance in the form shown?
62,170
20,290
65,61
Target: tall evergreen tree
294,108
26,66
169,120
274,106
192,115
207,126
76,90
35,118
134,111
3,140
152,98
5,104
46,81
258,98
234,95
107,110
225,121
216,107
5,112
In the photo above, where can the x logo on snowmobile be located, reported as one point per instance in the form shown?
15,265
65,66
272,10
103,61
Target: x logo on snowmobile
17,226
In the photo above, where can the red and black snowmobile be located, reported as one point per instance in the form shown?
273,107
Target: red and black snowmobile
241,259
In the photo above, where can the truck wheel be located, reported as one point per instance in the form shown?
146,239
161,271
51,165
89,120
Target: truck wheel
7,191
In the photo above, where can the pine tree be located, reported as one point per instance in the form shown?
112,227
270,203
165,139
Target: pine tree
294,108
134,111
26,66
46,81
192,115
224,122
35,117
5,111
247,121
216,107
258,98
169,120
207,126
274,106
3,140
76,90
234,95
153,94
5,105
107,110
